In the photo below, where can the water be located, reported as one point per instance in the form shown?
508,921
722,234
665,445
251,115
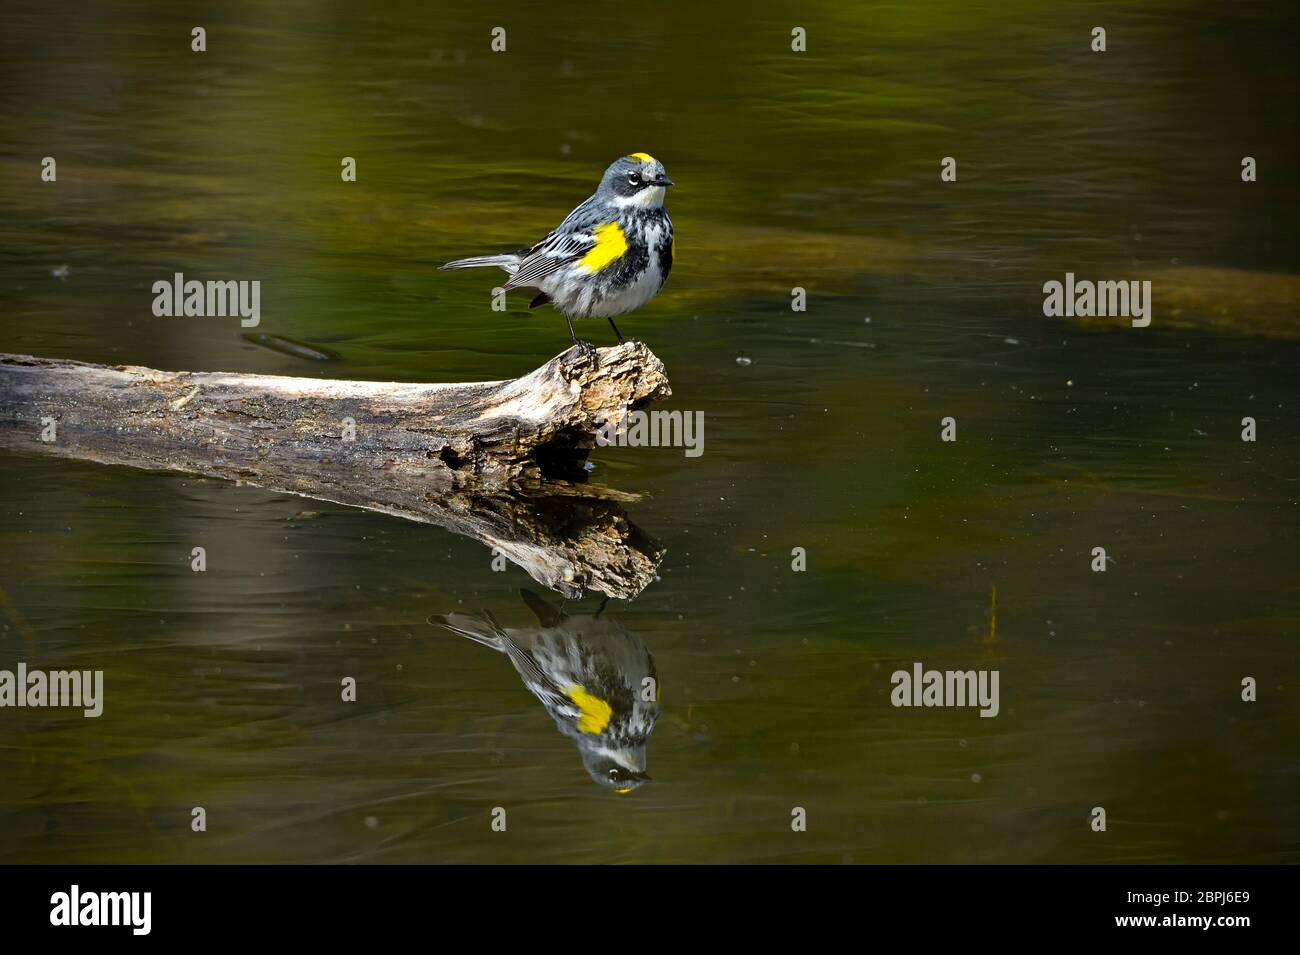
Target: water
924,301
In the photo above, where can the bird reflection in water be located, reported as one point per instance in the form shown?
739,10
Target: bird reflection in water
595,678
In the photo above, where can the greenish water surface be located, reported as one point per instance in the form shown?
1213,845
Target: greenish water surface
818,170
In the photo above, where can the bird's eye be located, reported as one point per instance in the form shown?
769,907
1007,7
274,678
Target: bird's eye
613,774
634,179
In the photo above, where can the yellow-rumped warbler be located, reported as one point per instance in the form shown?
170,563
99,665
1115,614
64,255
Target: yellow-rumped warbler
595,678
609,256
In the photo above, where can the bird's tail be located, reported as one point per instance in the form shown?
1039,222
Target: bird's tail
507,260
485,631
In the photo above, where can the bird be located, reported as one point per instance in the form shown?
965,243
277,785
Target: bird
609,256
596,679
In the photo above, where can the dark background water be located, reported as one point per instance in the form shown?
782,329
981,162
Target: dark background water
817,170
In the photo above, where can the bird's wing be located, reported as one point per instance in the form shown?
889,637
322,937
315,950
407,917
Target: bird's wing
556,250
541,685
569,241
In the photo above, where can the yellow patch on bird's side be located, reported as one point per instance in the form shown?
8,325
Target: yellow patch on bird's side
593,712
641,157
611,245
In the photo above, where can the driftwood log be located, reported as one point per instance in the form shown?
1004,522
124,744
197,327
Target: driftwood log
501,462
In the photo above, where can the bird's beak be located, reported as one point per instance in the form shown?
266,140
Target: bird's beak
641,777
661,181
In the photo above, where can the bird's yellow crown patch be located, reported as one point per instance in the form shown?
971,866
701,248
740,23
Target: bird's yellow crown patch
611,245
641,157
593,712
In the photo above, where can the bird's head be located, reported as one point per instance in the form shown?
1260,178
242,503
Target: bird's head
621,770
636,180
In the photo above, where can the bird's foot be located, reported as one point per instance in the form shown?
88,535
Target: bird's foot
588,350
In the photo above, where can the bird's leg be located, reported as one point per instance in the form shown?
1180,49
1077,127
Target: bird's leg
616,331
587,348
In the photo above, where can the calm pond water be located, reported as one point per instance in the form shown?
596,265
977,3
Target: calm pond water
819,170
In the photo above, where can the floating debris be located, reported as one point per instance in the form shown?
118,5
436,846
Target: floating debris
291,347
61,273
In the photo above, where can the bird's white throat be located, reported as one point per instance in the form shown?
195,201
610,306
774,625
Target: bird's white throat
651,197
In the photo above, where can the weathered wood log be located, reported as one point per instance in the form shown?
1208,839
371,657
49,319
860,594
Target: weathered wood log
501,462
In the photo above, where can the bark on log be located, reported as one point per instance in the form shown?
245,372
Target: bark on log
501,462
